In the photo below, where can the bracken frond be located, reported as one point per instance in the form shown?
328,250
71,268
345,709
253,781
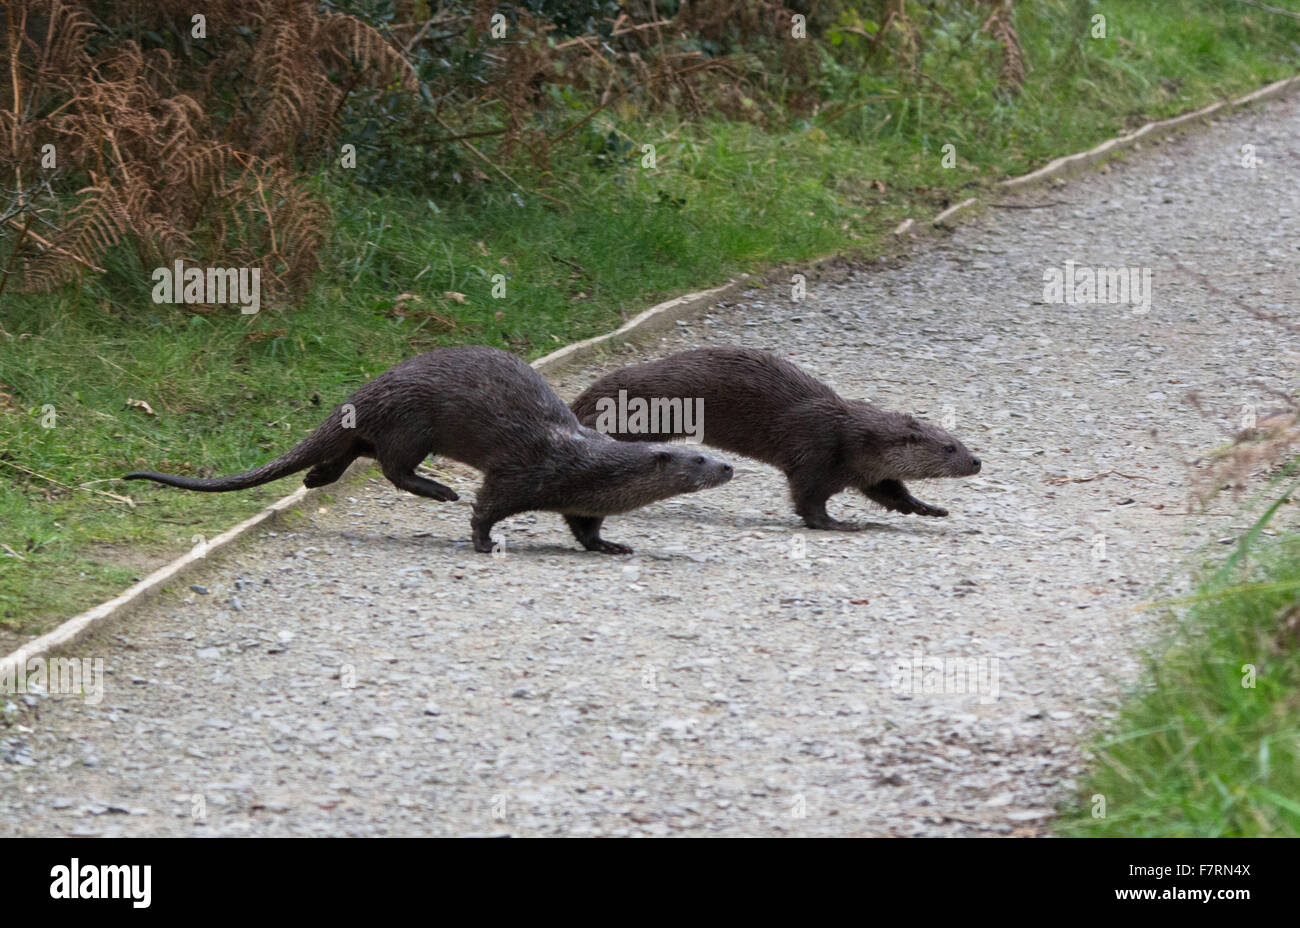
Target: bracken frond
185,153
1001,26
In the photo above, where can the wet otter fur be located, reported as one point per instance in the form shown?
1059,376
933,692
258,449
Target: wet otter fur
762,406
489,409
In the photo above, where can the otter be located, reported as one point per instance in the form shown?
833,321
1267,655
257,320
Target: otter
489,409
762,406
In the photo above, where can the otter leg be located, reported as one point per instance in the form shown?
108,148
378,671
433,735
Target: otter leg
810,495
490,508
587,530
399,464
892,494
412,482
482,529
329,471
483,520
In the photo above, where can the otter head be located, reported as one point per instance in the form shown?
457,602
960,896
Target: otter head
613,476
910,448
685,469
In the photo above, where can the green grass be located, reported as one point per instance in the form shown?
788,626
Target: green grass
1209,746
582,247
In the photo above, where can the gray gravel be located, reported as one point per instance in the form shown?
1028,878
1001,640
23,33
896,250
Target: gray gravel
363,672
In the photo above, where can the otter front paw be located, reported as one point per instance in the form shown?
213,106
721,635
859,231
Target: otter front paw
925,509
828,524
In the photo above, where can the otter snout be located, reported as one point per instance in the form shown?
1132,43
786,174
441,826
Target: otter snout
961,463
716,472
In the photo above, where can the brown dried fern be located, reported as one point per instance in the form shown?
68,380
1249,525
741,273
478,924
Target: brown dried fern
147,145
1001,26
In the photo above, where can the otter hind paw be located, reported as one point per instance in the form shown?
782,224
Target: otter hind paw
610,547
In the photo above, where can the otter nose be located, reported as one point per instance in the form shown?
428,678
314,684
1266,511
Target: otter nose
727,468
976,463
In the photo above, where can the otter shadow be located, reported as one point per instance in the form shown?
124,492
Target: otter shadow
788,524
422,543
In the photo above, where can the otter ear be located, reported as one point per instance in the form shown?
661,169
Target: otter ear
662,458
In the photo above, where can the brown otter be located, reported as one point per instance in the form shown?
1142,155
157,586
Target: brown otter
764,407
490,410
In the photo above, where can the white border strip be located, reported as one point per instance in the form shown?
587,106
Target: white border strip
950,211
1072,162
653,317
77,626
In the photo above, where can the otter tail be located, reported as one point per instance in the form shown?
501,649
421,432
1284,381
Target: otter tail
327,443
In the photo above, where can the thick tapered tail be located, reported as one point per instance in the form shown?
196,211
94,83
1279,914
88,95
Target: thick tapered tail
326,443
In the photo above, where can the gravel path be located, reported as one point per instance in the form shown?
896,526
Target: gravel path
715,683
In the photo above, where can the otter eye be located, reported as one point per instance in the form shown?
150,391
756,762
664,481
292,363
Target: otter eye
951,449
